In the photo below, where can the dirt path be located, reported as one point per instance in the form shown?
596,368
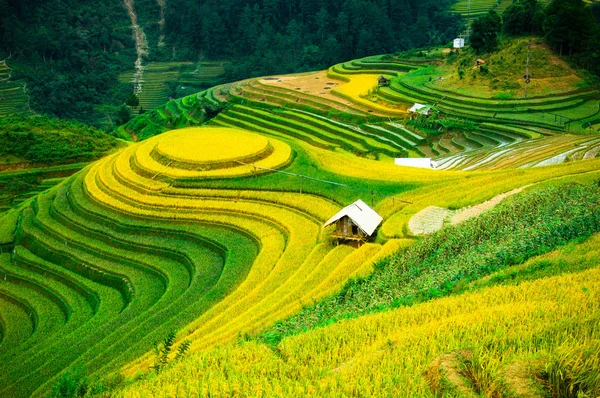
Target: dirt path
161,23
473,211
141,46
433,218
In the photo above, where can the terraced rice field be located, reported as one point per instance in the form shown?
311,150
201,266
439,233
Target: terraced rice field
186,76
13,98
113,258
216,230
485,342
178,233
481,7
345,110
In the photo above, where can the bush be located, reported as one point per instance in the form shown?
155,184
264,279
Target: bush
72,384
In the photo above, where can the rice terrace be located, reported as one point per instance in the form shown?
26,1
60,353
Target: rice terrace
300,198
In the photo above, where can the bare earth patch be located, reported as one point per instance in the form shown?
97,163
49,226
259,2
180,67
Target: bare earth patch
309,83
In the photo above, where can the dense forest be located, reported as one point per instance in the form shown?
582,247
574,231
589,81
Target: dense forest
569,26
70,52
275,36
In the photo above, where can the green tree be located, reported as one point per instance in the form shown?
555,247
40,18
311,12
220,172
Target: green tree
522,17
570,24
484,38
133,101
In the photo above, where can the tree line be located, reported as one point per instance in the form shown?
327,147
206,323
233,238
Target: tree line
569,26
280,36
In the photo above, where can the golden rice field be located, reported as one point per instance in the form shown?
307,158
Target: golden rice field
547,326
216,232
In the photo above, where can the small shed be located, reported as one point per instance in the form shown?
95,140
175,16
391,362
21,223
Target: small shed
356,222
420,109
459,43
480,62
383,81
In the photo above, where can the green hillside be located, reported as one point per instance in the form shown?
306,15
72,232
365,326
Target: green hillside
226,243
36,153
13,97
165,80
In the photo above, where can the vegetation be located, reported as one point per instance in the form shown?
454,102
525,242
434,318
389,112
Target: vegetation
45,140
69,53
433,267
484,38
212,223
268,37
37,152
536,337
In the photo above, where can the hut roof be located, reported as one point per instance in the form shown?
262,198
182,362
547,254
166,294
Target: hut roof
420,108
362,215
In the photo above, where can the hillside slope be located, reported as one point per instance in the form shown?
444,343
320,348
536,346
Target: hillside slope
216,231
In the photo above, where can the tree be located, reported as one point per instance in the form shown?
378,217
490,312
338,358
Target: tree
124,115
570,23
484,38
522,17
133,101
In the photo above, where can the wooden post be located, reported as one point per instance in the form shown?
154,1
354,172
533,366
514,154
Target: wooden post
527,77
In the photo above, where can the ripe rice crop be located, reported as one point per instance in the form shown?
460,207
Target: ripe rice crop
547,324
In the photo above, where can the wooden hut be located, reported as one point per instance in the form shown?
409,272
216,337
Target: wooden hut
419,109
383,81
356,222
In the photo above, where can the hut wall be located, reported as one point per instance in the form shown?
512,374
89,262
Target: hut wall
345,227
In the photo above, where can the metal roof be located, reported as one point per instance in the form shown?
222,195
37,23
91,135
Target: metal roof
420,108
362,215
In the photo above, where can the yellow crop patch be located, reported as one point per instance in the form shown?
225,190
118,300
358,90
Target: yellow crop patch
208,146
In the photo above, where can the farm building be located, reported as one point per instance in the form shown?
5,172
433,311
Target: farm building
420,109
356,222
459,43
383,81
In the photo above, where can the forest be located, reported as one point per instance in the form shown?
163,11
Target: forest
70,52
277,36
